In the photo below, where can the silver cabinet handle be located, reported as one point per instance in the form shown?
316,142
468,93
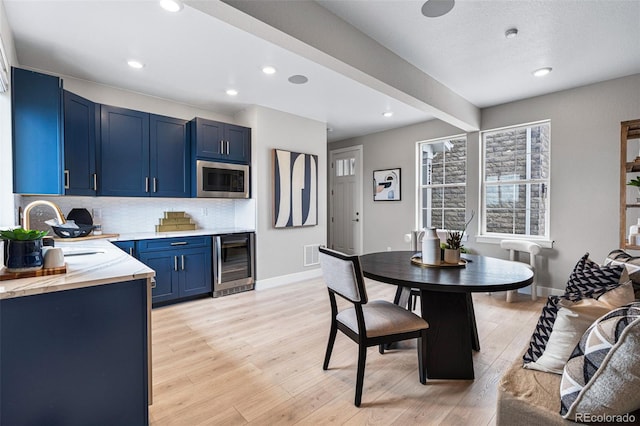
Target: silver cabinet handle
221,147
146,184
180,243
153,282
227,147
155,185
182,261
219,260
130,251
95,181
175,263
66,179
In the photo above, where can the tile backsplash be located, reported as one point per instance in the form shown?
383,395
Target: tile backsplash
129,214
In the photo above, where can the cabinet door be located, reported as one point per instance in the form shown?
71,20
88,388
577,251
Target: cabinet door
236,144
36,101
124,152
126,246
166,265
195,269
79,145
208,136
169,157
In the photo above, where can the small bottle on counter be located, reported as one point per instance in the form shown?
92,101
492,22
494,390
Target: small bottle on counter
97,221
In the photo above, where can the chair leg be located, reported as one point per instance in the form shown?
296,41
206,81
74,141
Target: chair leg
534,291
422,353
362,359
332,339
381,348
510,295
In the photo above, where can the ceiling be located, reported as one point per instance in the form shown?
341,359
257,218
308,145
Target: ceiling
193,57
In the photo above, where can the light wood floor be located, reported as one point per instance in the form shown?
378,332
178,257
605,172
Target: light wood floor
256,358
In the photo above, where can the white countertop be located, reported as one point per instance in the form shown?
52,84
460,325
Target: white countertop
109,265
177,234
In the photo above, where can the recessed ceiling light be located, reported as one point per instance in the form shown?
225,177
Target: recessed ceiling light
511,33
135,64
436,8
298,79
171,5
232,92
542,71
388,114
269,70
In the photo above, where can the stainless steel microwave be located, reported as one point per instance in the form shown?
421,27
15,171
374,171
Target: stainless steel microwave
222,180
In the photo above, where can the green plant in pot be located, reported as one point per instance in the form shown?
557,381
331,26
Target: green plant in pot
635,182
453,247
23,249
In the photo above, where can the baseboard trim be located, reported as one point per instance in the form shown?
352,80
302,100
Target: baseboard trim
288,279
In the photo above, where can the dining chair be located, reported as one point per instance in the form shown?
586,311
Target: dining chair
374,323
532,249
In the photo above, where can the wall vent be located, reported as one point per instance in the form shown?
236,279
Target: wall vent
311,255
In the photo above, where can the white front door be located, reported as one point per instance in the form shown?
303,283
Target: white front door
345,198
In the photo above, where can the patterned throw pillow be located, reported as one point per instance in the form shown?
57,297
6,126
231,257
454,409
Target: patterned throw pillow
592,282
543,329
588,279
602,376
631,263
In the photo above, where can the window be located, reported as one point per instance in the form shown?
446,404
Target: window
516,181
443,180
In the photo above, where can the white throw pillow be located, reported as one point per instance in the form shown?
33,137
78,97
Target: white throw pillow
574,318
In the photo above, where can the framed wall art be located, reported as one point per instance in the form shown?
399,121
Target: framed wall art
295,189
386,185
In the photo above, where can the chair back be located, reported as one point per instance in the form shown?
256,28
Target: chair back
343,275
523,246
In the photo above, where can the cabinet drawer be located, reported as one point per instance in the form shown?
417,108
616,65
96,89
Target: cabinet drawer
168,243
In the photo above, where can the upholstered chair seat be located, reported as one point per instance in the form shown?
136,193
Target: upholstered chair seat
382,318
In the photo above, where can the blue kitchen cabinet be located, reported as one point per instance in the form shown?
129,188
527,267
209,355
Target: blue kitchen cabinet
123,152
169,160
128,247
80,125
182,266
143,155
76,357
36,102
221,141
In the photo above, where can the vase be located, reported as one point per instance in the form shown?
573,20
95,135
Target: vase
23,256
430,247
634,230
451,255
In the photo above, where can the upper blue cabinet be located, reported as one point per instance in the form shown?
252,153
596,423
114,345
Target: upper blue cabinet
221,141
81,121
37,133
142,154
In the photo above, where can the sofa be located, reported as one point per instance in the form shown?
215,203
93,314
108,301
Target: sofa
565,374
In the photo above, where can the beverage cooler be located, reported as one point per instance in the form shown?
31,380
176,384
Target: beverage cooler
233,263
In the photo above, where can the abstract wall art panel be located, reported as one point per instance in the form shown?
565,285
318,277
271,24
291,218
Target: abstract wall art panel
386,185
295,189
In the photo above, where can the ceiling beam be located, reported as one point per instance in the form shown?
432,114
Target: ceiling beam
311,31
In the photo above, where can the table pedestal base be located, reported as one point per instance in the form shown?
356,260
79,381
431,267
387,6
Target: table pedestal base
452,333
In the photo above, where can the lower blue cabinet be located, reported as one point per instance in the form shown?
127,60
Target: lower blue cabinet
182,266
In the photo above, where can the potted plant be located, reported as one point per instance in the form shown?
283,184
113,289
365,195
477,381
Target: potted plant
635,182
453,246
23,249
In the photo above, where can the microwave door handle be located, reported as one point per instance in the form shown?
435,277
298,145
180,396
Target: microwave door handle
219,260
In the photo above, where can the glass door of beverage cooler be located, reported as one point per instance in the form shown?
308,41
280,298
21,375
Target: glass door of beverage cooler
234,260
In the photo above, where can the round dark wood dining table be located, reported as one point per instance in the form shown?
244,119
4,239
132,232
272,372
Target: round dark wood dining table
445,301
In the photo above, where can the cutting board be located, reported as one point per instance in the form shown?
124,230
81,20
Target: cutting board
6,275
88,237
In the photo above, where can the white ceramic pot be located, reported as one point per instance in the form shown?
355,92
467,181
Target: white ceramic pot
430,247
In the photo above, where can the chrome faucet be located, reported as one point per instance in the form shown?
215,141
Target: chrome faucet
27,211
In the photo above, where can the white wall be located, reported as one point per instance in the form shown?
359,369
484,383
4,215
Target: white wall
385,223
585,143
280,251
7,216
